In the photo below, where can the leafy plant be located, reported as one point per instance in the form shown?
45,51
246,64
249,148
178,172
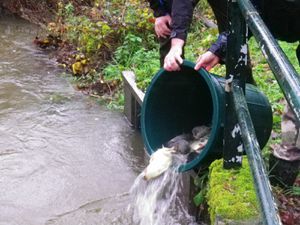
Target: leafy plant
124,54
69,9
132,55
200,183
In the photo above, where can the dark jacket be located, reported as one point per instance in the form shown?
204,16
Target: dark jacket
282,17
181,12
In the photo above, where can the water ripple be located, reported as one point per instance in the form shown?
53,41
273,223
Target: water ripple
63,158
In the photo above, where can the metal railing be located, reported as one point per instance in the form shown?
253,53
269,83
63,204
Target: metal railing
241,15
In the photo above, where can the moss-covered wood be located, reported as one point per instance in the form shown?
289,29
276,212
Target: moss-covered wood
231,194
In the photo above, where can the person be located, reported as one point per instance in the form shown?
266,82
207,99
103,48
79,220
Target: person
173,18
282,18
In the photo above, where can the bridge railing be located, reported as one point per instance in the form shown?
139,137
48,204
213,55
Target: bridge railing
243,15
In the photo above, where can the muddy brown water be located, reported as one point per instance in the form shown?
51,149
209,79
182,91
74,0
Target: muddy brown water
63,158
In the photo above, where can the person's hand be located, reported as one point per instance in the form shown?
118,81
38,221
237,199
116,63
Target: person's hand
162,26
208,60
173,59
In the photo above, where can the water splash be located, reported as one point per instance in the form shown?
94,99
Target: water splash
157,201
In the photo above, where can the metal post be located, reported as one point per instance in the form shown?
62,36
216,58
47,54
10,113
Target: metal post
236,68
286,75
263,189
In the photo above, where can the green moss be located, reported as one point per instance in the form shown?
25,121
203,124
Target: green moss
231,193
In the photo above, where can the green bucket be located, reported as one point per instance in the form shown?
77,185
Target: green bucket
176,102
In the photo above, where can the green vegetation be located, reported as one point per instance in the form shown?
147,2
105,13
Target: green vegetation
231,193
98,39
200,182
132,55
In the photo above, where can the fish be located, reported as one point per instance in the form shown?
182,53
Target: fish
180,143
162,158
201,136
159,162
200,131
198,145
187,143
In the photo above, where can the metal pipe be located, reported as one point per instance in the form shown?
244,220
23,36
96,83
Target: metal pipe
251,146
235,69
286,75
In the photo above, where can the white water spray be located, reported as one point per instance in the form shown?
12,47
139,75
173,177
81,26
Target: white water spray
157,201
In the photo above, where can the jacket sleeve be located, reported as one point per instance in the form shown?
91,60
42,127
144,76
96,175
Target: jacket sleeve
182,14
158,8
220,46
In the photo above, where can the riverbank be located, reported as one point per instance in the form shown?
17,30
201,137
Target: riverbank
86,38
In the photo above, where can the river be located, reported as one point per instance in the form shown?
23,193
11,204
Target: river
64,159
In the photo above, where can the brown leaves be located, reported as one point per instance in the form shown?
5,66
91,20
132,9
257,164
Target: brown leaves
100,87
48,42
289,206
289,210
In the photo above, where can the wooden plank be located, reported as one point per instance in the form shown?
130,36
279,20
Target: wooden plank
129,80
133,99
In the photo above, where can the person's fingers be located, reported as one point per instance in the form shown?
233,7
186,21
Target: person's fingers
173,59
171,65
197,66
208,67
208,60
168,65
178,59
169,21
166,32
158,29
157,32
165,29
199,63
212,64
163,35
162,31
175,66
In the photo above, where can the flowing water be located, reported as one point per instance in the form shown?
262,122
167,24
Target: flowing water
63,158
162,194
